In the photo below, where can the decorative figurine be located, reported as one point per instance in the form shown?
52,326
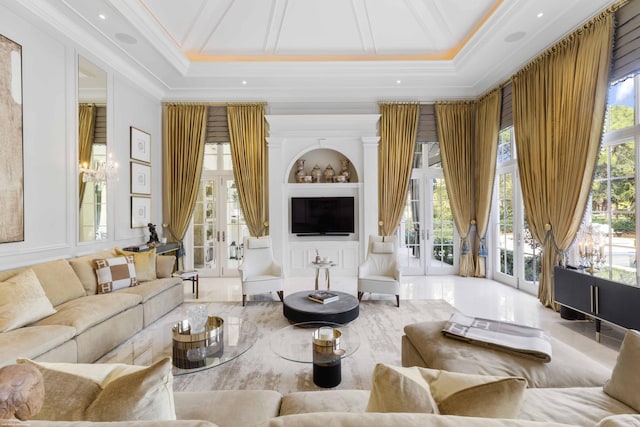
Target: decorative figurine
345,169
153,235
329,173
315,173
300,170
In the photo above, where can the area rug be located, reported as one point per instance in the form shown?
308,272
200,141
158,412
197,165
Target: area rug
379,325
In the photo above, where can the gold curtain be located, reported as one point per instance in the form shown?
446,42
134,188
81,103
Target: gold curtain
185,130
455,132
249,156
486,146
559,102
86,128
398,128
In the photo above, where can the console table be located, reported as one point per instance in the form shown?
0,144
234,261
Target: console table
602,299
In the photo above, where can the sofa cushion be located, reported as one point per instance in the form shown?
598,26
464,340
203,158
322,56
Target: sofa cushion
106,392
568,367
115,273
346,419
22,301
32,341
144,262
170,423
303,402
57,278
228,408
396,389
581,406
83,313
165,264
151,288
85,270
624,383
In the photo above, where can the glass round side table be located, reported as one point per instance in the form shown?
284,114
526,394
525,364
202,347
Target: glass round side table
322,344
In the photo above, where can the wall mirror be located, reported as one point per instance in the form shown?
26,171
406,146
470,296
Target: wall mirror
92,151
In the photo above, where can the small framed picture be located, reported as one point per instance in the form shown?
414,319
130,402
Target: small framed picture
140,145
140,178
140,211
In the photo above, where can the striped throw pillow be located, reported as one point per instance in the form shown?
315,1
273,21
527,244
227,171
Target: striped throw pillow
115,273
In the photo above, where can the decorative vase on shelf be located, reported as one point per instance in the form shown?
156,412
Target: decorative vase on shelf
329,173
300,170
315,173
345,169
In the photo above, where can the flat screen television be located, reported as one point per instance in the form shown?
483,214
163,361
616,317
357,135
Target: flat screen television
322,216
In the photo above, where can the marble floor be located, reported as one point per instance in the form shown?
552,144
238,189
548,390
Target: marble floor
472,296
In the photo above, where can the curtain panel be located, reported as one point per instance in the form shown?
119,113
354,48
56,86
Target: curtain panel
249,157
184,129
86,125
559,104
455,132
486,147
398,129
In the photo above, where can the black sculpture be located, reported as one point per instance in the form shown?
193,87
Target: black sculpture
153,235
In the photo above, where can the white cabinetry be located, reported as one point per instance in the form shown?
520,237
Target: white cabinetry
322,140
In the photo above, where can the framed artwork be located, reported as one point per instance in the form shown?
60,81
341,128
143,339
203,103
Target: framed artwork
140,211
140,178
140,145
11,161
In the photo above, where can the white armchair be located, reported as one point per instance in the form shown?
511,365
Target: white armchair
259,272
380,273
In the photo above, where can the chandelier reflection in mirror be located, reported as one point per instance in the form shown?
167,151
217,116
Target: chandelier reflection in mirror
591,247
105,170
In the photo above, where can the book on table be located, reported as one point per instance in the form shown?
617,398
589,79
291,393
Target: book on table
525,341
323,297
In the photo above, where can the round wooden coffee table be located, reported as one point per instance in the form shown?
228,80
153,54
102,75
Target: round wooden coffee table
298,308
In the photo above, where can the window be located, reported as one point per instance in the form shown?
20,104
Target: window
612,210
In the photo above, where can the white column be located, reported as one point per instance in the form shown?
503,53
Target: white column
277,203
369,190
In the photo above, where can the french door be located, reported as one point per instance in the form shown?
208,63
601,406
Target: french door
217,227
517,253
426,233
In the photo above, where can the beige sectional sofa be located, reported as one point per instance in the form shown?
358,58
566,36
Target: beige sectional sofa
86,325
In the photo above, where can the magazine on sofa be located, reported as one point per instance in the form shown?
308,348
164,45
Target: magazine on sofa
521,340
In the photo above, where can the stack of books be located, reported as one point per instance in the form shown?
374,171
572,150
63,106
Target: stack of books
323,297
138,248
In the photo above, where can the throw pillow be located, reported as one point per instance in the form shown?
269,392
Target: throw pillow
624,384
382,247
396,389
115,273
259,242
106,392
447,393
22,301
144,262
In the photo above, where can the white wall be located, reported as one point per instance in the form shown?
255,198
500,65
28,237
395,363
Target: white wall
50,144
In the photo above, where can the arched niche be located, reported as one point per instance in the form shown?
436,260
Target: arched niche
323,157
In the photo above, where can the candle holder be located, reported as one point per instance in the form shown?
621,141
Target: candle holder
591,248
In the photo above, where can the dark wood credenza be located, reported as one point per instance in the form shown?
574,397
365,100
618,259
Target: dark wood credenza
602,299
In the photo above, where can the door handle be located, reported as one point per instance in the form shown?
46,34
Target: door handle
223,237
217,236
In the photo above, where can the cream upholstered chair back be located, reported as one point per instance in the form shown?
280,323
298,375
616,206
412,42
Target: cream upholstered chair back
380,272
260,272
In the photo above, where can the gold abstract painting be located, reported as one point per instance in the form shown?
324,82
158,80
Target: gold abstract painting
11,159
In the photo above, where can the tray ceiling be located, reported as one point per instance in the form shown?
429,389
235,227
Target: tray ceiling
329,50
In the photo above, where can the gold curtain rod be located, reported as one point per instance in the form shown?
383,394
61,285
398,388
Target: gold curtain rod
211,104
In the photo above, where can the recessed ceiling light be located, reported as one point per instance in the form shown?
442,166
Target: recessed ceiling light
540,15
102,16
514,37
244,82
398,81
126,38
